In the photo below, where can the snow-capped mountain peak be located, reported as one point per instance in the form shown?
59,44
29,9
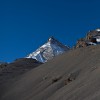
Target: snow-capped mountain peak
52,40
49,50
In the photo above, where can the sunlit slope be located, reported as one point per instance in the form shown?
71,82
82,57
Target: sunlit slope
74,75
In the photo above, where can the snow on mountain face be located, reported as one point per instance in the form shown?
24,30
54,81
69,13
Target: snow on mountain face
98,29
48,51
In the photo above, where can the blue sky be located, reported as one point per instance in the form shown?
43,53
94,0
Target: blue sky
27,24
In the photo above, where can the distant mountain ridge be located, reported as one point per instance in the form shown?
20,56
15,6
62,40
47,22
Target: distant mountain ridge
49,50
16,68
1,62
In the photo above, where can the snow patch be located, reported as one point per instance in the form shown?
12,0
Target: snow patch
98,29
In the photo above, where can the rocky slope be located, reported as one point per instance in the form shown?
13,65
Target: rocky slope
74,75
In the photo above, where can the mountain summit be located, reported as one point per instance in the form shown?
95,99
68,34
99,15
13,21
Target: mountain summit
49,50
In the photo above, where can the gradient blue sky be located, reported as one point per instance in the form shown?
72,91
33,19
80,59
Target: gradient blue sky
27,24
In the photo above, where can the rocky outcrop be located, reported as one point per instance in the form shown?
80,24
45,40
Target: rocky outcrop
92,38
81,43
